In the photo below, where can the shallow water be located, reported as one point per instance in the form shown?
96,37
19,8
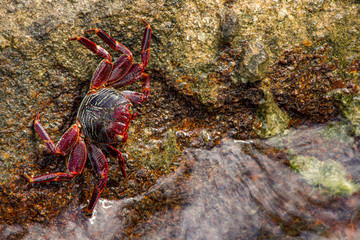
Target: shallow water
237,190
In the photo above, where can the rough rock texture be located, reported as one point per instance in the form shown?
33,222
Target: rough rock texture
254,65
196,97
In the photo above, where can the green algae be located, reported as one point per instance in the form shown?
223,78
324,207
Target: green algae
329,175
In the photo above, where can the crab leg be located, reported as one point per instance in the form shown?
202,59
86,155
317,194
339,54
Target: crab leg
93,47
145,51
66,142
132,76
100,165
135,73
145,46
116,153
111,42
123,64
139,97
76,165
102,74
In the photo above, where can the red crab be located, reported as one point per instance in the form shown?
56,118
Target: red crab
104,114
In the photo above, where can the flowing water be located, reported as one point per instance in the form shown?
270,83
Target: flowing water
237,190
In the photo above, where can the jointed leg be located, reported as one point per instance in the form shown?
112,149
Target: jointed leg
123,64
104,69
102,74
145,51
124,72
145,46
76,164
131,76
116,153
111,42
100,165
140,97
66,142
93,47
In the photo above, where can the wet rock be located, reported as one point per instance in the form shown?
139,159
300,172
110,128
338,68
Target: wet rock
329,174
237,190
326,156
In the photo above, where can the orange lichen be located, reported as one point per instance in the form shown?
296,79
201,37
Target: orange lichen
306,43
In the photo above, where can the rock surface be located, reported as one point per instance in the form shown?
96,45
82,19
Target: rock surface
196,95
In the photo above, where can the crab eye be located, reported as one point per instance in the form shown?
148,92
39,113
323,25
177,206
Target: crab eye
119,138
